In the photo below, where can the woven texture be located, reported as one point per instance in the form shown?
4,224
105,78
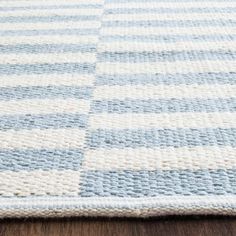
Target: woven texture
117,108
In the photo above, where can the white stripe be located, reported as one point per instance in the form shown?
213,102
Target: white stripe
50,25
48,39
47,58
165,120
45,39
155,47
118,206
167,67
163,159
167,30
118,201
184,16
43,106
39,183
53,12
164,91
175,5
23,3
46,80
36,138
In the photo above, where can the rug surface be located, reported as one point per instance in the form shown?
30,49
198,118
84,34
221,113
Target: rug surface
117,107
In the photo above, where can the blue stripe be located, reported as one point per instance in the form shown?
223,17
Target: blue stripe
170,23
52,18
45,7
57,68
168,38
47,48
18,122
164,10
164,105
43,159
167,79
162,138
170,56
42,92
48,32
154,183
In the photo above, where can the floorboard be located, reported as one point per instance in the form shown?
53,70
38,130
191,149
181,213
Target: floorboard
177,226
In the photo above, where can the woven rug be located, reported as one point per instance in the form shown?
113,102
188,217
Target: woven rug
117,107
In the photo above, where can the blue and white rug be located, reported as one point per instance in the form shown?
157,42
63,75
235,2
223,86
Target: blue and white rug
117,107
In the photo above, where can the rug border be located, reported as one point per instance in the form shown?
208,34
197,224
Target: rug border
15,207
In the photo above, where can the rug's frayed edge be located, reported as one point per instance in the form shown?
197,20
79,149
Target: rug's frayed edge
116,206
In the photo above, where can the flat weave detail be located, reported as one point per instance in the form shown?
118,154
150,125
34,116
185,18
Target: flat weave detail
117,107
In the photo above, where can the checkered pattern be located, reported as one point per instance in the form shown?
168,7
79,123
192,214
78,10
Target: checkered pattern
117,108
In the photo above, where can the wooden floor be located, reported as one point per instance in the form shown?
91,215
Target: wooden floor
176,226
